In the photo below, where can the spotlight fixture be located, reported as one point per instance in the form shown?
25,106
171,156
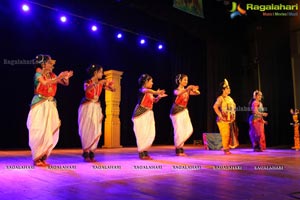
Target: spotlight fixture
25,8
93,25
94,28
63,19
160,46
119,35
142,41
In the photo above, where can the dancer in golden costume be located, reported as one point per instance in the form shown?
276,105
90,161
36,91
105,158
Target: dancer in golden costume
224,107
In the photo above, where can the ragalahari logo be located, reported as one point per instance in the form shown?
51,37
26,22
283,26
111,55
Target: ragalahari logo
236,10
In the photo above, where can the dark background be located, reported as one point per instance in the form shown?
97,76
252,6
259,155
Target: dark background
207,49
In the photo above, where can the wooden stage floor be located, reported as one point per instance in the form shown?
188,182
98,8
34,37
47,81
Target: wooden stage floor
119,174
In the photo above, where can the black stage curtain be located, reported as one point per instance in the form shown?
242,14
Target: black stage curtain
238,59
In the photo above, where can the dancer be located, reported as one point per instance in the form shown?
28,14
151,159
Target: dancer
90,112
256,122
43,121
179,114
224,107
143,116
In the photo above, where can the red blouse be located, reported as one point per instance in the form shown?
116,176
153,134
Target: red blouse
182,99
94,92
47,90
147,100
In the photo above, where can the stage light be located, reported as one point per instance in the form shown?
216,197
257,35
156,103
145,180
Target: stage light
119,35
94,28
160,47
63,19
25,8
142,41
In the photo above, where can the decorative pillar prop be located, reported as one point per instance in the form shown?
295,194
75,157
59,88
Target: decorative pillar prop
296,129
112,101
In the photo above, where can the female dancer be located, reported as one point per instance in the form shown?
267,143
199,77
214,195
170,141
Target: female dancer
90,112
224,107
256,123
143,116
43,120
179,114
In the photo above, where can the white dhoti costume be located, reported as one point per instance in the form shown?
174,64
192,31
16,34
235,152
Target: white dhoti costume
90,125
144,129
43,124
183,128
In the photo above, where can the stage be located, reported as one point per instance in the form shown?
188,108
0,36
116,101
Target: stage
119,174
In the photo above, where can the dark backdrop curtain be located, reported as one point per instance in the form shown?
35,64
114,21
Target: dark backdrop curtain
237,59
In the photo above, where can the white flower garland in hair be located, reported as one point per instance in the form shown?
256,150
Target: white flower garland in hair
178,79
39,61
255,93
